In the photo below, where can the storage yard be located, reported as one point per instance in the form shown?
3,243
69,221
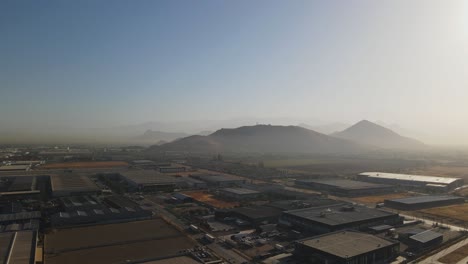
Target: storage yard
209,199
114,243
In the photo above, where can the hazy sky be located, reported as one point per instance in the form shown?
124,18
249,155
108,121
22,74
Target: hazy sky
107,63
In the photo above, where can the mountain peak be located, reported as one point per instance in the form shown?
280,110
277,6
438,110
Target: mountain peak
366,132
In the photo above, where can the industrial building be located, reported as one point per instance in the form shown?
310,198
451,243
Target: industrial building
18,247
345,247
422,202
17,187
254,215
19,221
69,184
172,169
15,168
408,180
89,210
342,187
150,180
220,180
320,220
425,240
239,193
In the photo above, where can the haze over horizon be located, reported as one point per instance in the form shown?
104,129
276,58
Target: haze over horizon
72,66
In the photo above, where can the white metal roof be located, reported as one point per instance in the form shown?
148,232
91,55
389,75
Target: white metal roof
409,177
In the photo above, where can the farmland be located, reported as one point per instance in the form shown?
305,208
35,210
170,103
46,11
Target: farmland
452,213
209,199
114,243
85,165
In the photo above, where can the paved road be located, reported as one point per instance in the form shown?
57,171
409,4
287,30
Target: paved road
227,254
434,258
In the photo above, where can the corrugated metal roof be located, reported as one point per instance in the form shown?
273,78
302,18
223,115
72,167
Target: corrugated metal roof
426,236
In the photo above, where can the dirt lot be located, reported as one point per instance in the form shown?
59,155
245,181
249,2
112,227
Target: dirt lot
455,256
209,199
457,212
114,243
379,198
91,164
440,170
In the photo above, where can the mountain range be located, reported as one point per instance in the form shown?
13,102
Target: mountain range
363,136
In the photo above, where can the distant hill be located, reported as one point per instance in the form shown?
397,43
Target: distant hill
366,132
263,139
151,136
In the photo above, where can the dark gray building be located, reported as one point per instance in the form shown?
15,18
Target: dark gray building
422,202
320,220
346,247
343,187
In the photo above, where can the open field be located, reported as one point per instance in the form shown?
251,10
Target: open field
114,243
379,198
209,199
440,170
457,212
123,252
90,164
455,256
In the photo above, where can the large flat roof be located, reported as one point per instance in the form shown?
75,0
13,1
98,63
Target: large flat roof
410,177
345,244
17,247
149,177
426,236
72,182
240,191
217,178
425,199
339,214
346,184
14,167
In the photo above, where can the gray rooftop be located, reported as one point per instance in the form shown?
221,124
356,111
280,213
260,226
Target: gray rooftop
426,236
410,177
240,191
346,244
425,199
218,178
72,182
149,177
346,184
339,214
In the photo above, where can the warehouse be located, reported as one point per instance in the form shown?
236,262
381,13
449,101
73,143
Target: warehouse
346,247
17,247
320,220
172,169
425,240
220,180
255,215
15,168
150,180
72,184
347,188
422,202
239,193
87,210
408,180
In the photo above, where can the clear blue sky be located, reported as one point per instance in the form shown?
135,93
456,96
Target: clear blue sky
105,63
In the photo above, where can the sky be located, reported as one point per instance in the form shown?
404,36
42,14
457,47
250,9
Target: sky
92,64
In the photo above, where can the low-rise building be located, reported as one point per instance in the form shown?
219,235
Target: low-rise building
320,220
422,202
239,193
345,247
